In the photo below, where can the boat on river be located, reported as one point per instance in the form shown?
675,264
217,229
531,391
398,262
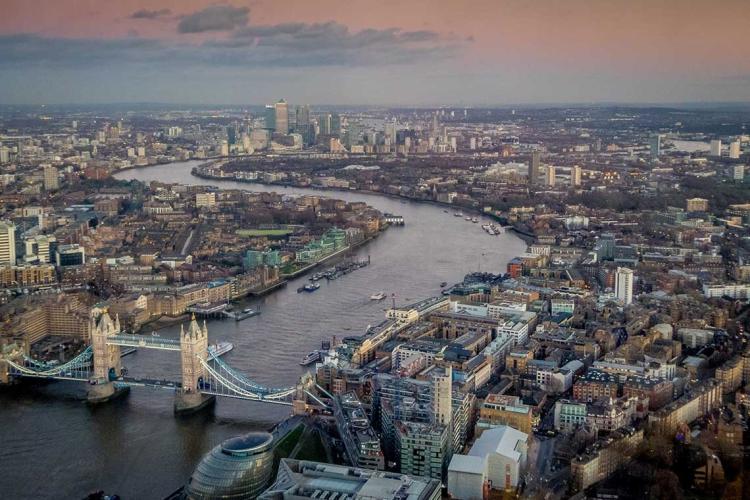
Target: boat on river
244,314
220,349
311,358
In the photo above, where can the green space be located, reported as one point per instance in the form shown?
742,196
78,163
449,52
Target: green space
250,233
293,267
287,444
312,449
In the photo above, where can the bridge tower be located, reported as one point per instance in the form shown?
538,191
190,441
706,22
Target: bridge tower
106,358
12,352
193,348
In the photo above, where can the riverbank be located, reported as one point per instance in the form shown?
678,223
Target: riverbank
195,171
310,267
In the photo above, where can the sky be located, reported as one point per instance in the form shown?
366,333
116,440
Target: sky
374,52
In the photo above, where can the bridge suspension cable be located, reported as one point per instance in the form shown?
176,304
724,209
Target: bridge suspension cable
225,381
78,368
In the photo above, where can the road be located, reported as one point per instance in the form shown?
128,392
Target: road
540,456
188,240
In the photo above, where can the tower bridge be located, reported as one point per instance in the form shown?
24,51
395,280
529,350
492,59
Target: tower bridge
204,377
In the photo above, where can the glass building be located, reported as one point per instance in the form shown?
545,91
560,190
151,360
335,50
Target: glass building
238,468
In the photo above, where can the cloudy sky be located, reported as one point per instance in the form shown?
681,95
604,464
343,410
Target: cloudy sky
420,52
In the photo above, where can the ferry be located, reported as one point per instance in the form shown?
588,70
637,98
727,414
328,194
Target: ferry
246,313
220,349
378,296
311,358
310,287
492,230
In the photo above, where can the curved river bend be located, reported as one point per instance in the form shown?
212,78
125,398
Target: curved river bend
54,446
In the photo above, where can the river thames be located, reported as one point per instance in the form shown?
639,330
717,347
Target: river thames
55,446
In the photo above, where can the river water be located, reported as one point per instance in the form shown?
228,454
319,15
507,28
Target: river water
52,445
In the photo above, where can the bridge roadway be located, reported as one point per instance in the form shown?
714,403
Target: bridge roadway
148,382
153,342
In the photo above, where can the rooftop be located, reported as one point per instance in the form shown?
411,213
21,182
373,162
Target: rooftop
302,479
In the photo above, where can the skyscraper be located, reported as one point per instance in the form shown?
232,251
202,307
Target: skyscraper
354,133
734,150
442,388
738,172
282,117
575,175
324,123
716,147
655,146
7,244
534,168
336,124
303,125
51,180
303,117
550,175
270,117
624,285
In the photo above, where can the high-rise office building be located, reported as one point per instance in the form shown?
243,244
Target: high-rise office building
442,389
303,116
336,124
534,168
734,150
575,175
70,255
324,123
51,179
231,135
40,248
655,146
716,147
550,175
282,117
269,116
624,285
738,172
7,244
424,449
354,133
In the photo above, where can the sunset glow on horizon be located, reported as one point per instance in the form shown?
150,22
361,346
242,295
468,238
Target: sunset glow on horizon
478,51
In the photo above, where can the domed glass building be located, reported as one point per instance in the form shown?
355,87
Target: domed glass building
238,468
